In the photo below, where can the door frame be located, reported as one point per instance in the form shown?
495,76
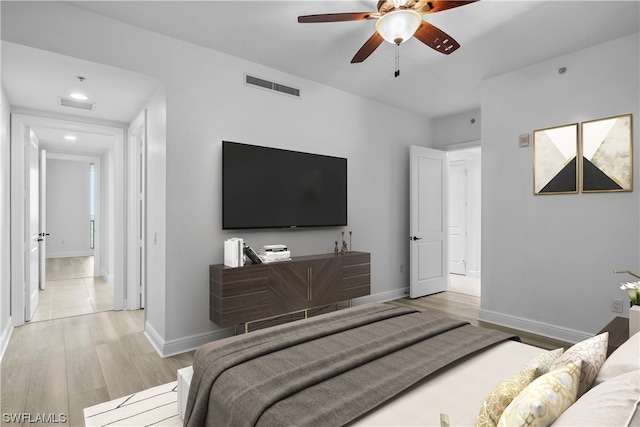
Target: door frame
115,209
137,215
43,218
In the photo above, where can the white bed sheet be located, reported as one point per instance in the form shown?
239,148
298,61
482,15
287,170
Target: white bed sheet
457,391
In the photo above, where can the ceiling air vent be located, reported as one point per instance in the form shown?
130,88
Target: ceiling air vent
266,84
77,104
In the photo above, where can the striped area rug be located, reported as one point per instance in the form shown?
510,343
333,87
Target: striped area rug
157,406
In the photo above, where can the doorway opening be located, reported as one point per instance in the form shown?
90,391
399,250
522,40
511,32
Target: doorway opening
73,283
110,232
465,220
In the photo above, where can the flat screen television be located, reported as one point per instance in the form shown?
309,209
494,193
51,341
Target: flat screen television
266,187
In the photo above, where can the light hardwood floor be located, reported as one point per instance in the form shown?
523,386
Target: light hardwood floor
58,364
64,365
467,307
71,290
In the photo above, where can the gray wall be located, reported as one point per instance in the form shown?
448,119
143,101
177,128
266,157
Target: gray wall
457,129
68,208
547,260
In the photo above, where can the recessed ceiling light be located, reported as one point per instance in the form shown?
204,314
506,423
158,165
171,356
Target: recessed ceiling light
79,96
70,138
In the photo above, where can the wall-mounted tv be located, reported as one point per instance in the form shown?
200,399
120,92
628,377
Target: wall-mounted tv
265,187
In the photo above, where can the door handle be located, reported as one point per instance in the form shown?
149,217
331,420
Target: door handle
39,239
43,234
415,238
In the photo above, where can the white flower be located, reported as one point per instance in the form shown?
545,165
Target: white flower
633,289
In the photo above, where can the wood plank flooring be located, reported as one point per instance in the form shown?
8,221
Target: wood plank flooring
71,290
64,365
467,307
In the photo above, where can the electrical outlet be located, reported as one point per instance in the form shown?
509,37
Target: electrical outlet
616,305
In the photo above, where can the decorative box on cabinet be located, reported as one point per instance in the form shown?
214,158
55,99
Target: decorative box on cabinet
258,291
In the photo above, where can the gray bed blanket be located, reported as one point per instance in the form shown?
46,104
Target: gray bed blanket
327,370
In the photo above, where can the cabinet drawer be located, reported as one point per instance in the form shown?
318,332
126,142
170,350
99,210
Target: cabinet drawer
233,289
245,314
356,291
356,258
229,275
356,281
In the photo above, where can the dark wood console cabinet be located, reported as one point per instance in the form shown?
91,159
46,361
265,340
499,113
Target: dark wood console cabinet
258,291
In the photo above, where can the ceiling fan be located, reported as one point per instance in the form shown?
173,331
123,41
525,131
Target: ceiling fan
397,21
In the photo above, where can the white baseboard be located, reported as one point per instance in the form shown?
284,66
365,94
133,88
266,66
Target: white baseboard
168,348
5,337
534,327
382,296
68,254
474,273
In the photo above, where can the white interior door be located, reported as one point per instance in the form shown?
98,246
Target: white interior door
458,217
32,223
428,222
43,219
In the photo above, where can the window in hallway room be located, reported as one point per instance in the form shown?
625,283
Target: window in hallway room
92,211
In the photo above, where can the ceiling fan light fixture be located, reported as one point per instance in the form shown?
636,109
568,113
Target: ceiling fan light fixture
398,26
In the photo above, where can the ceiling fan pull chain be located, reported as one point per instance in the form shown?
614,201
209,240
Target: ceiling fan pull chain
397,73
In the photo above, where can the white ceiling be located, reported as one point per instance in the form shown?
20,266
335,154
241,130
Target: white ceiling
495,37
87,143
35,79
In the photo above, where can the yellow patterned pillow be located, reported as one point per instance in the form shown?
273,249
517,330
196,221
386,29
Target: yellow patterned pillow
592,352
542,363
545,399
500,397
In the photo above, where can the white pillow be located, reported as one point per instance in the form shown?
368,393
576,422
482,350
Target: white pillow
612,403
542,401
592,352
625,358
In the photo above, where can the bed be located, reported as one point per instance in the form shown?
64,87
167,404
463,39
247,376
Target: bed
379,364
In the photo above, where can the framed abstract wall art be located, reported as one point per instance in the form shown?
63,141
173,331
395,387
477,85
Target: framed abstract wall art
607,155
555,160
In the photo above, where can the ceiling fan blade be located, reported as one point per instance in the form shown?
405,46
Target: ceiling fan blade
367,49
433,6
435,38
335,17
